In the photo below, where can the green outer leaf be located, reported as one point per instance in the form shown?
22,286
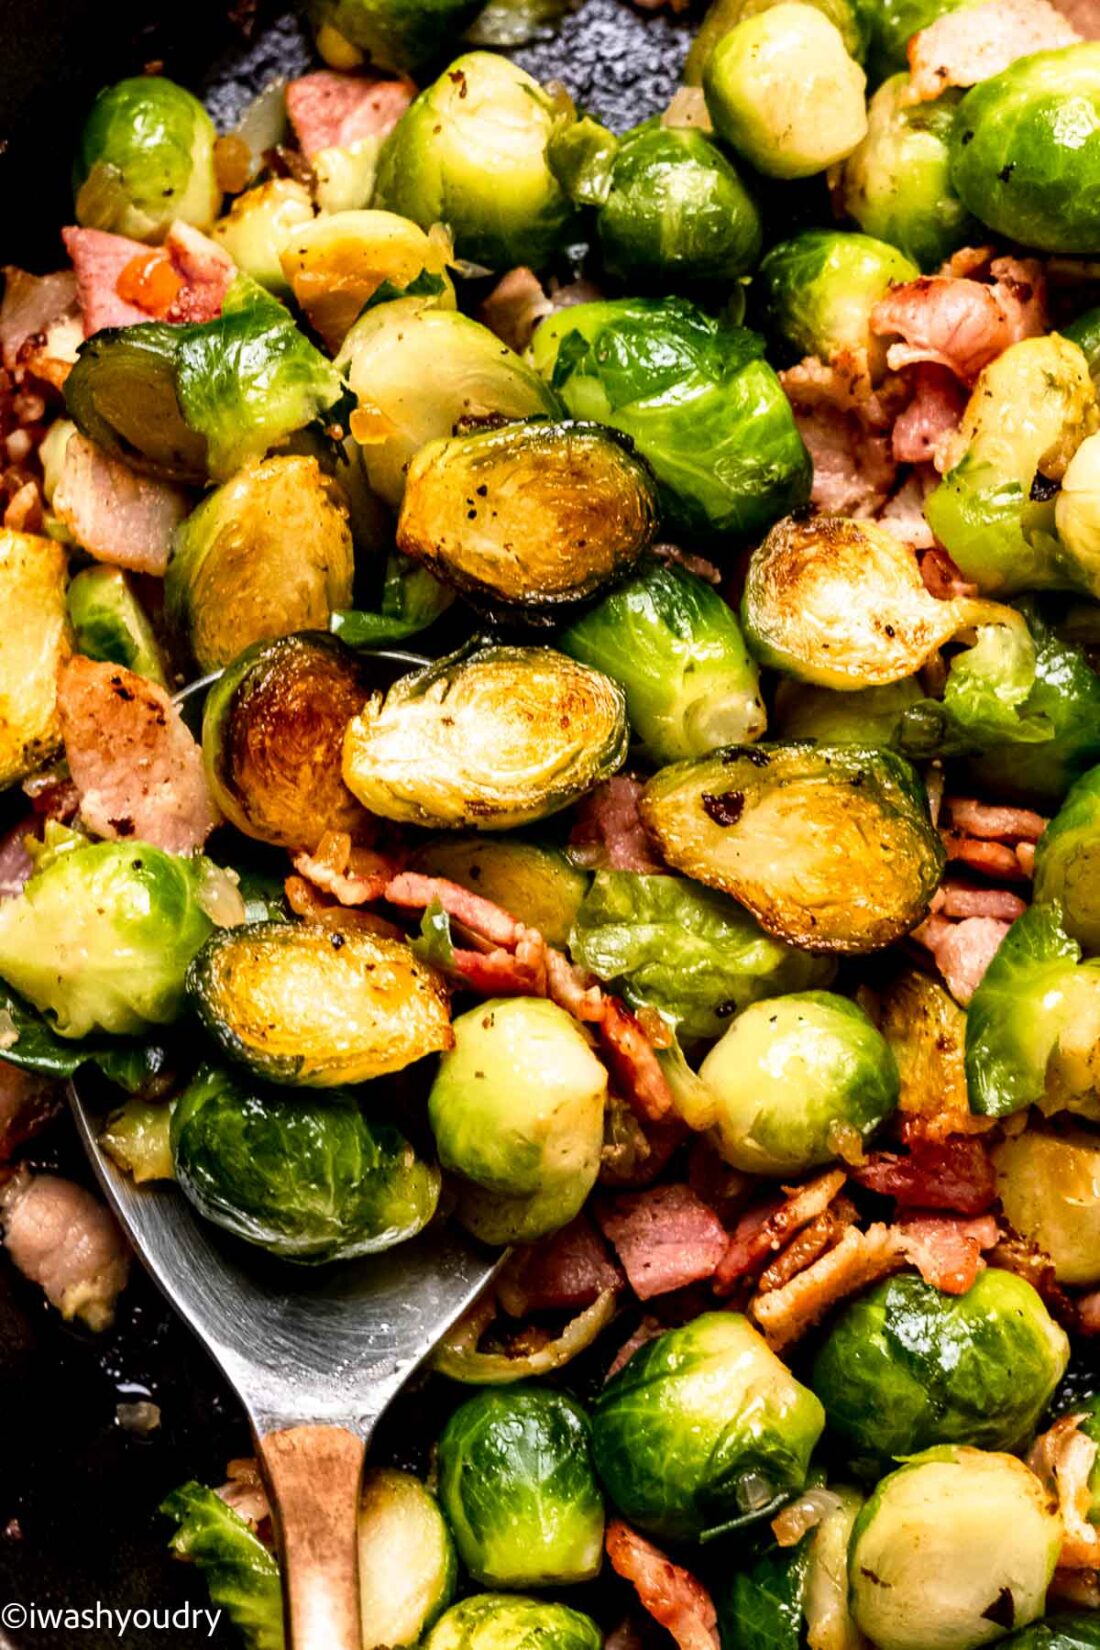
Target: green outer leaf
128,1063
412,599
242,1575
1073,1630
761,1609
434,944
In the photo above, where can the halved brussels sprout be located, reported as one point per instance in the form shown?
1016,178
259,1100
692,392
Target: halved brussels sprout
145,158
407,1566
337,263
907,1366
536,883
258,226
1025,150
841,603
517,1485
799,1081
36,644
110,623
818,289
849,16
316,1007
702,1427
1049,1187
1067,861
829,846
272,737
925,1574
392,33
470,152
268,553
418,372
499,1621
307,1177
529,519
517,1111
136,1137
860,716
486,740
675,648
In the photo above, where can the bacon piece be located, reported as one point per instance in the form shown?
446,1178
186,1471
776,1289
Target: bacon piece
986,820
100,261
205,270
121,518
959,323
954,1173
920,431
671,1595
993,859
859,1259
609,832
40,327
665,1238
573,988
962,950
977,42
64,1239
1088,1311
16,865
244,1491
845,424
903,515
647,1330
763,1231
633,1062
946,1250
136,765
563,1272
515,307
807,1245
1083,15
942,578
481,916
961,899
332,111
27,1103
353,876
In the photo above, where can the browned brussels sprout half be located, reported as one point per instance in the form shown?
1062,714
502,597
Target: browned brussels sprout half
303,1004
830,847
272,734
530,518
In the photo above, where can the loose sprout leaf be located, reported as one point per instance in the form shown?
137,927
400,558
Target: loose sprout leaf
985,698
1071,1630
434,944
242,1575
761,1608
131,1065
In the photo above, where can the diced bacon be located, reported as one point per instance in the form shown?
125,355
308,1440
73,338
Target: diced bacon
515,307
563,1272
64,1239
903,515
99,259
958,323
481,916
671,1595
962,950
16,864
27,1103
133,760
205,269
352,875
859,1259
498,973
118,517
244,1491
332,111
647,1331
966,46
633,1062
108,266
1088,1312
942,578
961,899
572,988
609,832
921,429
992,859
947,1252
853,468
39,324
763,1231
666,1238
985,819
808,1244
1084,15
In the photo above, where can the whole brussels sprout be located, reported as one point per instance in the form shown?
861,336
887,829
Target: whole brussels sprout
517,1485
782,90
1067,861
1025,150
702,1427
799,1081
258,226
407,1563
471,152
102,934
818,289
1049,1187
707,414
393,33
851,17
924,1573
499,1621
517,1111
145,158
906,1366
306,1177
866,716
897,184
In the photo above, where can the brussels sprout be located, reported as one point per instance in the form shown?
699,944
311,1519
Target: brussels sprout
267,553
1025,150
305,1177
893,23
517,1110
392,33
146,158
419,371
530,519
674,647
345,175
101,936
819,288
1049,1186
536,883
782,90
339,262
37,643
136,1137
110,623
707,414
906,1366
799,1081
1077,510
486,740
519,1491
923,1571
702,1427
849,16
241,1573
1067,861
692,954
1085,333
496,1621
272,736
993,511
830,847
471,152
407,1566
316,1006
865,716
676,210
897,183
190,402
842,603
258,226
763,1603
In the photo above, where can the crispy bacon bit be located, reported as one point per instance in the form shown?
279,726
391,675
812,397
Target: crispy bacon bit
633,1062
845,424
966,46
572,988
121,518
205,273
984,819
962,950
481,916
332,111
136,765
244,1491
27,1103
859,1259
812,1241
353,876
515,307
763,1231
959,323
609,832
936,1174
671,1595
921,429
962,899
947,1250
561,1273
64,1239
666,1238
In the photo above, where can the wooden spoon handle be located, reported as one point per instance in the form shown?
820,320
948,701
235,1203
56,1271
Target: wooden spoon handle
314,1475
